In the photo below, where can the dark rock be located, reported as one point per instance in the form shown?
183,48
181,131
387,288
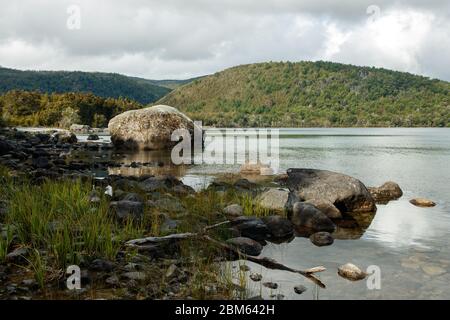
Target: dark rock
321,239
63,136
169,204
346,193
326,207
299,289
270,285
93,137
133,197
256,277
124,209
41,163
5,147
246,245
307,216
102,265
18,256
387,192
279,227
253,228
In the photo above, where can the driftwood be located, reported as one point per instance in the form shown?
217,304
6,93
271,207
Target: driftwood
264,261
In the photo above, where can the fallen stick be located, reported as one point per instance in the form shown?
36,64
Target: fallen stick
264,261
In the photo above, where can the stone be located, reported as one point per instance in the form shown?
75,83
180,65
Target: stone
256,277
278,226
63,136
253,228
112,280
93,137
421,202
299,289
133,197
5,147
169,204
18,256
321,239
233,211
124,209
386,192
102,265
41,163
246,245
326,207
308,216
148,128
351,272
135,275
79,128
270,285
346,193
277,200
244,268
433,270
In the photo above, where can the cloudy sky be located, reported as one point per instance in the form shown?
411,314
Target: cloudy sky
185,38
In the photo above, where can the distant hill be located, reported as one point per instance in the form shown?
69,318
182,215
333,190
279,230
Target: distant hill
107,85
311,94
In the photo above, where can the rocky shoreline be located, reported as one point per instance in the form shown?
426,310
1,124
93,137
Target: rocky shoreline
317,204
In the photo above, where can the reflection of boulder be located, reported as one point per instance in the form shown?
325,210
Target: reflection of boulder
353,227
346,193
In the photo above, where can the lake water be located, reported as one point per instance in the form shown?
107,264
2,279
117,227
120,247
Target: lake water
410,245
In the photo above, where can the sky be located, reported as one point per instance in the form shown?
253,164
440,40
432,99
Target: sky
177,39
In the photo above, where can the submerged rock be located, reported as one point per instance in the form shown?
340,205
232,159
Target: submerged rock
149,128
299,289
308,216
351,272
270,285
256,277
321,239
246,245
346,193
433,270
387,192
421,202
278,226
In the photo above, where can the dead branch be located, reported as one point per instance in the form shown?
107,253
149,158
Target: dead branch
264,261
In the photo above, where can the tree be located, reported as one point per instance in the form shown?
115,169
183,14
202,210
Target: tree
69,116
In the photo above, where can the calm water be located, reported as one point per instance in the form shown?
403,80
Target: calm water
410,245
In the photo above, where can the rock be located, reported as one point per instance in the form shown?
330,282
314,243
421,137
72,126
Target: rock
233,211
102,265
321,239
351,272
347,194
270,285
256,169
79,128
41,163
277,296
18,256
256,277
387,192
134,275
63,136
326,207
93,137
168,225
5,147
246,245
149,128
307,216
124,209
299,289
278,226
433,270
171,271
277,200
253,228
421,202
133,197
169,204
113,280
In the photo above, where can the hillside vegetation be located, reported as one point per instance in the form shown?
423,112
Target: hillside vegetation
107,85
308,94
32,108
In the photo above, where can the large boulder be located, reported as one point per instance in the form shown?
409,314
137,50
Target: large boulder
346,193
149,128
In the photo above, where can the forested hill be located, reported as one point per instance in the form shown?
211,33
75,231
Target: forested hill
308,94
107,85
